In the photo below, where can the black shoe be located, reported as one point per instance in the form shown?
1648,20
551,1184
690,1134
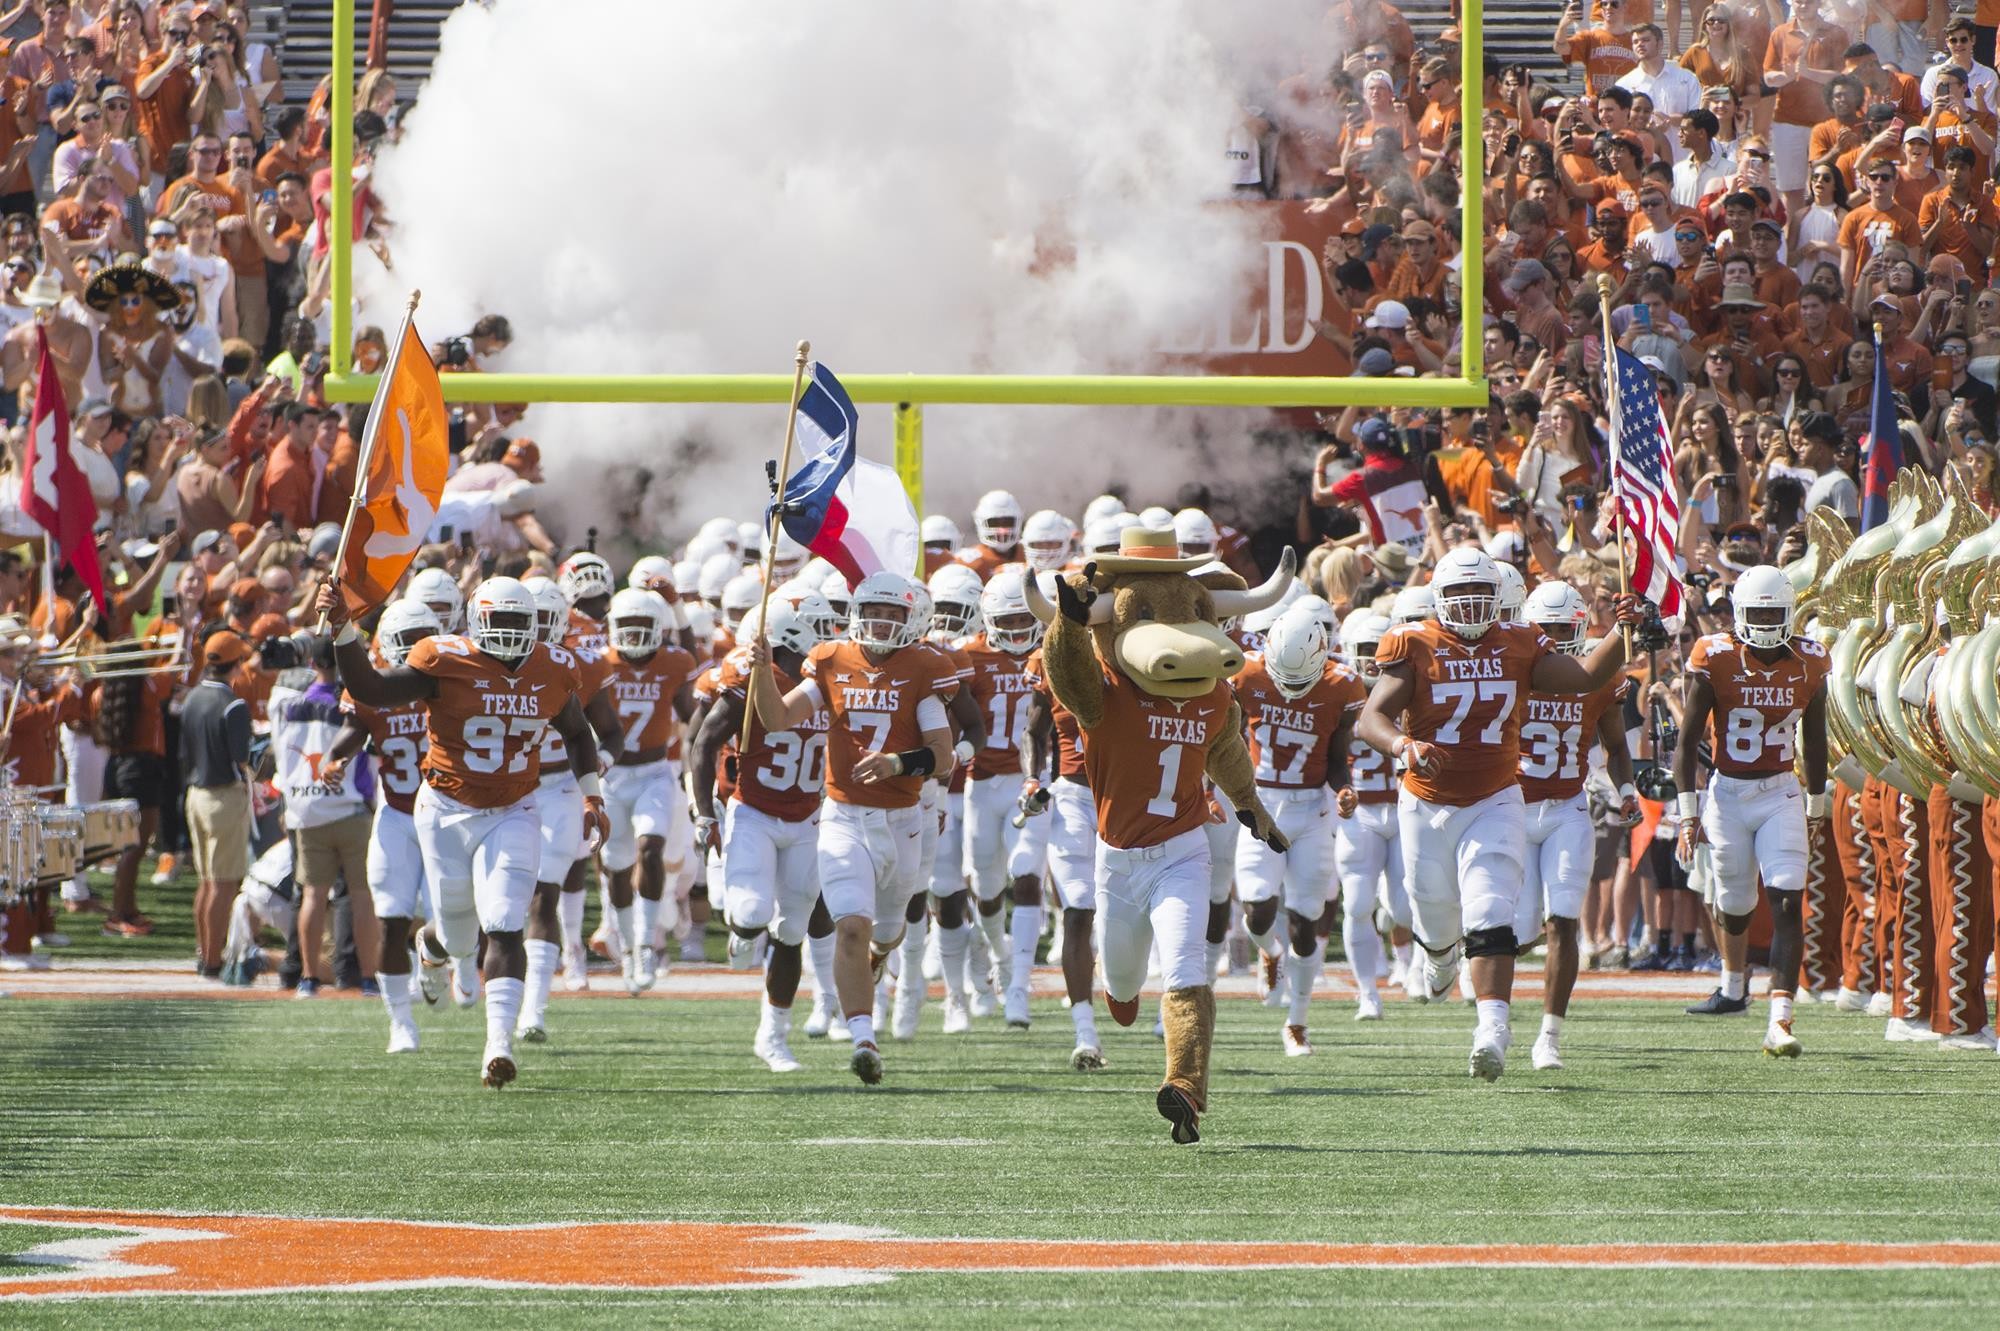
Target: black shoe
1178,1110
1652,959
1682,960
1715,1005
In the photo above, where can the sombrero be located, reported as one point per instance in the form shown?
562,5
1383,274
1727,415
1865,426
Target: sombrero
1147,550
124,279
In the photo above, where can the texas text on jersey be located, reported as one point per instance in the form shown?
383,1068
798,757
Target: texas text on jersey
1556,737
1468,702
644,692
1146,761
486,722
1290,737
871,707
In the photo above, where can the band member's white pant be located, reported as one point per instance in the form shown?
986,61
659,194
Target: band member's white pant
481,864
1561,847
1154,894
1304,874
1464,863
868,860
770,871
1757,829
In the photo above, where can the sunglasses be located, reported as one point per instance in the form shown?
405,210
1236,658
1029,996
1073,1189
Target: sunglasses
1376,57
131,302
1787,372
179,34
91,119
1757,156
1718,356
208,152
1880,180
1652,203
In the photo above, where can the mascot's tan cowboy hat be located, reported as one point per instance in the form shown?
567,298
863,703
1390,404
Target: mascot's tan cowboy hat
1149,550
127,279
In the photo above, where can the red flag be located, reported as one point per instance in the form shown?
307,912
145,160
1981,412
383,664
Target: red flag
54,491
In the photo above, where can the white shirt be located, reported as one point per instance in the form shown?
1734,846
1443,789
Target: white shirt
1674,90
1835,489
1693,179
1982,85
212,278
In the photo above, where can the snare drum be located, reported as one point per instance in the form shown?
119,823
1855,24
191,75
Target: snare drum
109,828
61,844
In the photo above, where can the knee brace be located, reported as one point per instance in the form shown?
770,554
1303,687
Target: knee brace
919,906
1499,942
1733,924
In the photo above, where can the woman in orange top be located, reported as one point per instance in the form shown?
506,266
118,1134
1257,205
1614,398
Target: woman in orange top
1718,60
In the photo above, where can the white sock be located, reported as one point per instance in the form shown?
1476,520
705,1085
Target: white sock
819,951
862,1027
503,1010
466,969
395,997
645,917
1364,948
1267,942
606,912
910,956
1735,984
777,1020
953,947
1302,973
1402,951
1084,1018
621,920
1781,1008
1552,1025
1027,932
569,913
1493,1014
993,929
542,956
1215,951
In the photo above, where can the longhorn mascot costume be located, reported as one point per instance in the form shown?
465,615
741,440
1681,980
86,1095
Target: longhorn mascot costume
1136,654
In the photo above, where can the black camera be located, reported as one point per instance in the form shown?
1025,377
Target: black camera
1701,581
295,651
1507,504
458,352
1654,781
1649,634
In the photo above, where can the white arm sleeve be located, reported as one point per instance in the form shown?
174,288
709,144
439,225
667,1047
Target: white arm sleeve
810,689
931,714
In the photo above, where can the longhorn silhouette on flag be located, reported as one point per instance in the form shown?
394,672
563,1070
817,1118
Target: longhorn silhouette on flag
54,490
404,457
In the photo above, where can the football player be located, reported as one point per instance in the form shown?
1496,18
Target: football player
884,692
556,921
966,970
437,591
395,861
1048,540
997,519
1368,844
491,694
1000,689
1753,694
1066,840
1458,684
652,688
769,830
1556,739
1300,718
586,580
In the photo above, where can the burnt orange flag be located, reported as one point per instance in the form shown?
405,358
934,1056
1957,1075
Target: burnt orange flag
407,452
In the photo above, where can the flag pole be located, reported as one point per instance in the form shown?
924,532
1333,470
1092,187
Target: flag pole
1617,446
367,456
777,517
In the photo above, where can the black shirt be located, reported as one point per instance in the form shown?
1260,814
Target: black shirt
215,735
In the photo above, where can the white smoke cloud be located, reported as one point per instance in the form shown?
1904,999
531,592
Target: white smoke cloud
666,186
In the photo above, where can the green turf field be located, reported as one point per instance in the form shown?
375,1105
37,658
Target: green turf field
1663,1128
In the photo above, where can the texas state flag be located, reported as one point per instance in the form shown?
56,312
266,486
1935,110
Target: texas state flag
849,511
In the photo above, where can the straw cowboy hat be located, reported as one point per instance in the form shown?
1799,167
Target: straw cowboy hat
1150,550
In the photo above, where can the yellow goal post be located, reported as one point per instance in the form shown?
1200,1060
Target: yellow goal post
1470,390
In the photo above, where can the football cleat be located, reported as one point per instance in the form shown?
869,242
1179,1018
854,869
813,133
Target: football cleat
1178,1110
907,1012
1086,1058
1850,1000
464,981
1489,1053
1547,1054
402,1037
497,1067
866,1063
576,968
532,1034
608,943
1439,978
1296,1043
1779,1042
1368,1005
1880,1005
818,1019
957,1016
1902,1031
776,1051
983,1001
1716,1005
692,947
1979,1041
745,954
1017,1009
645,972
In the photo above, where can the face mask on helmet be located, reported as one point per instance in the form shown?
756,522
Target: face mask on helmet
951,616
1764,625
1295,655
1468,608
403,625
635,635
881,624
504,633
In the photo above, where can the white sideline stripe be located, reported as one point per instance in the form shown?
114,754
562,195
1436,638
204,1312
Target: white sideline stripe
896,1141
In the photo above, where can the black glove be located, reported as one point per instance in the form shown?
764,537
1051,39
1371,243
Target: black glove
1076,602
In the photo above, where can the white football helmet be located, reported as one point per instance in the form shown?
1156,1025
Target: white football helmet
687,579
1011,626
438,590
955,598
1413,605
997,519
1195,533
1049,537
551,610
838,599
722,531
1560,612
704,548
1155,517
1260,621
1319,608
941,530
1467,586
1765,602
749,541
1295,653
403,625
650,571
788,558
637,623
1513,591
502,619
743,591
889,611
716,571
1104,506
810,608
1360,632
785,625
584,575
1104,535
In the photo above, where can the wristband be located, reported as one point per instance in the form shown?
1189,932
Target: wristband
963,751
915,762
1688,805
1818,804
1628,791
592,785
348,634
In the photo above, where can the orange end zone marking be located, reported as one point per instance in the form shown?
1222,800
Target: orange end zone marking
150,1255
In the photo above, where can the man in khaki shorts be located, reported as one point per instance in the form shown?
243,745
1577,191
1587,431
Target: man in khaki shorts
215,755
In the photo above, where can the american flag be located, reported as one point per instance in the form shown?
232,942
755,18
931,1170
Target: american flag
1642,485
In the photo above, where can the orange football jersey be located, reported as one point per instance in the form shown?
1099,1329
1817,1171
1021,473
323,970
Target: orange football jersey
1468,701
397,736
1001,687
1754,726
585,634
1556,739
33,744
784,772
1371,773
486,723
1147,761
962,663
1291,739
1069,735
645,693
871,707
593,672
986,561
706,690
